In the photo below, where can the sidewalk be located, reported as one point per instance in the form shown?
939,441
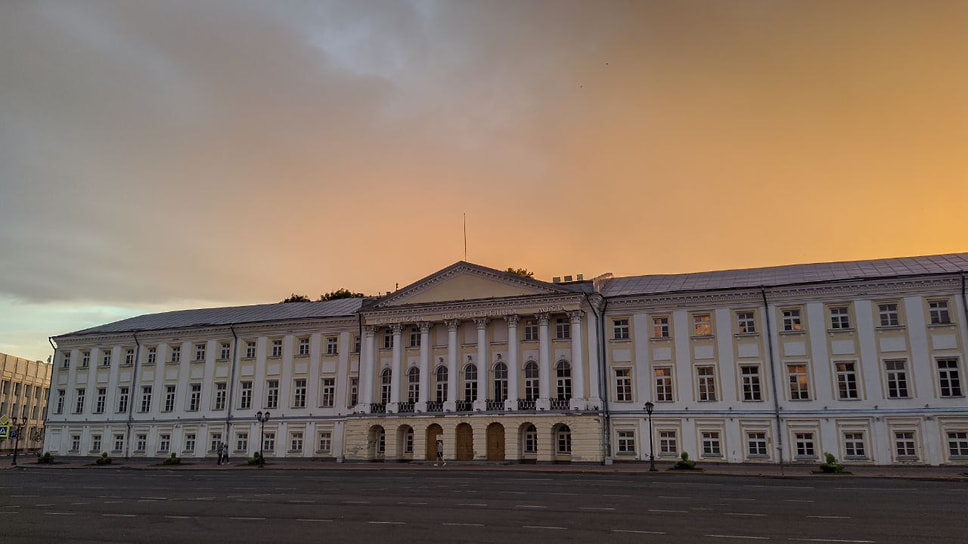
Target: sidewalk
799,471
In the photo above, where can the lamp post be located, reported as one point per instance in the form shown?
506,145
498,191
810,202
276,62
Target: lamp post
17,429
262,418
648,409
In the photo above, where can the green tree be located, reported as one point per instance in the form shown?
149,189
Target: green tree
340,293
296,298
523,272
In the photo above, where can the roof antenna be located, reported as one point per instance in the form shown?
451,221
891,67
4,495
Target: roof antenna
465,236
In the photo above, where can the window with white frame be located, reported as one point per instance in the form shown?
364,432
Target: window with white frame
470,383
175,355
949,379
75,442
164,442
957,444
803,442
95,443
356,344
250,349
562,328
938,312
668,443
325,442
387,340
245,395
79,400
275,349
531,381
128,357
563,380
839,318
620,329
303,347
195,397
214,440
660,327
331,345
123,393
152,355
897,382
413,384
414,337
702,325
663,384
756,444
99,400
706,377
746,322
225,351
327,399
299,393
140,442
66,361
500,382
354,395
106,358
799,381
118,442
242,441
386,382
61,396
791,320
530,439
169,398
846,380
626,442
189,443
272,394
711,446
441,384
199,353
623,385
531,331
85,359
221,390
295,441
145,399
888,315
563,441
752,390
408,440
855,446
905,445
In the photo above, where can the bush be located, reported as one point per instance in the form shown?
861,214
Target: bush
173,460
104,459
254,460
684,462
830,464
45,459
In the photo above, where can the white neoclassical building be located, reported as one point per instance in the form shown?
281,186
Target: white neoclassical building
865,360
23,399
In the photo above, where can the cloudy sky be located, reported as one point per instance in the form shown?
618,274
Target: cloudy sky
167,155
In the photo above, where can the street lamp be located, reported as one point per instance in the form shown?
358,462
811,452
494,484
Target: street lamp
17,428
648,409
262,418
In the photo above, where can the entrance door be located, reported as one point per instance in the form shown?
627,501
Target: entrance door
432,433
465,442
495,442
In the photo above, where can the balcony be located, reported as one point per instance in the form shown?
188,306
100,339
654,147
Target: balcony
435,406
495,405
524,404
464,406
405,408
378,408
559,404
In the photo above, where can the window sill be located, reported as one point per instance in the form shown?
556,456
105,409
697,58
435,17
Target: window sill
758,457
127,365
835,331
625,454
940,325
886,328
856,458
754,400
302,356
273,357
702,337
712,456
620,340
805,458
792,333
746,334
660,339
198,362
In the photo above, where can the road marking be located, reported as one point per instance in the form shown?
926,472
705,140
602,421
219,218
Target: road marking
514,492
736,499
202,499
829,517
301,501
113,502
180,517
798,500
529,506
623,496
745,537
43,505
12,506
314,520
672,497
830,540
387,522
7,513
633,531
564,494
24,496
749,514
154,498
463,524
356,502
407,503
668,511
472,504
118,515
61,513
551,527
597,508
79,503
248,519
780,486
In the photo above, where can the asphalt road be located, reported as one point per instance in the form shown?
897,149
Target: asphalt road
450,506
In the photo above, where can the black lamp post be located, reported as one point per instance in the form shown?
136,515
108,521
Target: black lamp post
262,418
17,428
648,409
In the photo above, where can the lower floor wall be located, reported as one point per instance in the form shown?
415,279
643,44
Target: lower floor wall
535,437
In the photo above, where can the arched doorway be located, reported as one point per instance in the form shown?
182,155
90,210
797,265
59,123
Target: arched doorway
528,438
376,443
433,432
465,442
495,442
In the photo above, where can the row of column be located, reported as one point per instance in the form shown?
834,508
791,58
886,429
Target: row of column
370,371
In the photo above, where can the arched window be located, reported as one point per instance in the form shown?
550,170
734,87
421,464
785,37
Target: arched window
531,381
386,379
408,440
563,439
563,377
500,382
413,384
470,383
441,384
530,439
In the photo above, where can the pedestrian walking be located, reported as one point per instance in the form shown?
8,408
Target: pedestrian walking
440,453
225,453
219,451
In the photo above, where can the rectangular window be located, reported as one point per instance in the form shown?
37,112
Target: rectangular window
85,359
199,353
623,385
299,393
668,445
79,400
118,442
99,401
660,327
295,441
61,395
791,320
756,444
745,322
938,312
854,445
702,325
272,394
751,382
169,398
123,399
328,397
214,439
221,390
331,343
356,344
189,443
711,445
225,351
530,331
846,380
66,361
620,329
152,355
626,442
839,318
804,445
140,443
145,398
250,350
888,315
905,445
354,392
269,443
276,349
897,383
75,442
95,443
414,337
706,376
195,397
949,378
325,443
799,382
530,440
562,329
164,442
175,354
663,384
304,347
388,340
106,358
128,357
242,441
958,444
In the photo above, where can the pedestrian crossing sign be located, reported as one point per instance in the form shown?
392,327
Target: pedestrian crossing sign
4,431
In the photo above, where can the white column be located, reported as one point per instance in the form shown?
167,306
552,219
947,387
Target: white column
577,401
397,379
482,364
367,362
452,374
513,393
424,393
544,363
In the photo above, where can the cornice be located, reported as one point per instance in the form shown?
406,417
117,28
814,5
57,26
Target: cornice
470,309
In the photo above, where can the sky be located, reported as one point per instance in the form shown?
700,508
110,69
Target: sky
183,154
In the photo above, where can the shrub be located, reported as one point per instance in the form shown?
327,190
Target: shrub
173,460
46,458
684,462
254,460
104,459
830,464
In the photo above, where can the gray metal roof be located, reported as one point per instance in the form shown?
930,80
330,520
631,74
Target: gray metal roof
787,275
232,315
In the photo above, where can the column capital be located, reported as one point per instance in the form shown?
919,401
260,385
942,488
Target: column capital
425,326
369,330
512,320
543,318
396,328
452,324
576,316
481,322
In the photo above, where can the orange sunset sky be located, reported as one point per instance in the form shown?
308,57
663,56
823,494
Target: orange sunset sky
168,155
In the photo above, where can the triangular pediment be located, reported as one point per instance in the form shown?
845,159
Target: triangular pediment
467,281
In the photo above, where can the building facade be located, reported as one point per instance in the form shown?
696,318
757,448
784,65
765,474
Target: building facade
24,385
865,360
